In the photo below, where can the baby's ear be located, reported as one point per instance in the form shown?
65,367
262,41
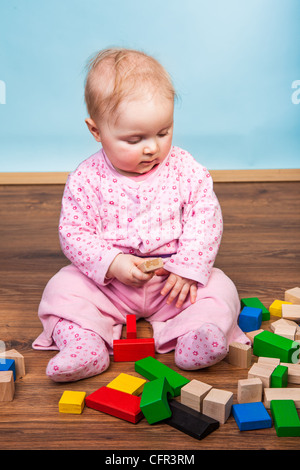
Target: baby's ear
93,128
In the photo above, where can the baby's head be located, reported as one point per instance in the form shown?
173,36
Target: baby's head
118,74
130,101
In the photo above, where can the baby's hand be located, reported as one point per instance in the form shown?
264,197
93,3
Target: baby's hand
179,286
125,269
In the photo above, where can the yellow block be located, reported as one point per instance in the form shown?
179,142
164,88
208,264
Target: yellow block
128,384
71,402
276,307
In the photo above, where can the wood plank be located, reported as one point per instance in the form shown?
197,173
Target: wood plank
260,252
219,176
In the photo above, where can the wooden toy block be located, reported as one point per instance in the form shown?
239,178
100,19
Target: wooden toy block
240,355
249,390
153,369
8,364
193,393
292,295
250,319
291,312
256,303
71,402
190,421
133,349
269,344
263,372
19,361
151,265
281,394
276,307
217,404
249,416
279,377
7,385
154,402
131,326
116,403
282,322
252,334
274,361
128,384
287,331
285,417
293,372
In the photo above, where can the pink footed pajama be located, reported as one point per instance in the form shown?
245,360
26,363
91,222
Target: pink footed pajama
82,353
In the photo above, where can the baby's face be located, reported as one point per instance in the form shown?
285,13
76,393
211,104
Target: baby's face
141,137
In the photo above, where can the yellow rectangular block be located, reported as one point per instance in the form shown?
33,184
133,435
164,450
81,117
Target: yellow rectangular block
71,402
276,307
128,384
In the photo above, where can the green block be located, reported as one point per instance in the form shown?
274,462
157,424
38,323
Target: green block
154,401
152,369
279,377
285,418
268,344
256,303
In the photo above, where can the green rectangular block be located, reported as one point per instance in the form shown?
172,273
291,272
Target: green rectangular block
152,369
256,303
268,344
279,377
285,418
154,401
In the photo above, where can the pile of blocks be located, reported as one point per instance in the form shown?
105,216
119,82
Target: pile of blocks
12,368
196,408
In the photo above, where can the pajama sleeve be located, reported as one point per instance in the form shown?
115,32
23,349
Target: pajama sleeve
80,234
202,228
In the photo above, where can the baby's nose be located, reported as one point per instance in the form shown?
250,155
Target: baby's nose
151,147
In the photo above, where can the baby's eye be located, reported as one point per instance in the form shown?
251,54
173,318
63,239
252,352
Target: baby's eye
163,134
134,141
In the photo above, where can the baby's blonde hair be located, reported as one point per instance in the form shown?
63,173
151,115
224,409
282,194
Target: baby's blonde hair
117,73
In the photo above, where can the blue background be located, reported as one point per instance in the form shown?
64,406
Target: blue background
233,63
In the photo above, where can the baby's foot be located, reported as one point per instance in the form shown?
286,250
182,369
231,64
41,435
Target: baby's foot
82,353
200,348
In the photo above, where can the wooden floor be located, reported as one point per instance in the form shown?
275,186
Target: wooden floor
260,252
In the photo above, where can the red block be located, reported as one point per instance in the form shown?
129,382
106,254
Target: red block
131,326
116,403
133,349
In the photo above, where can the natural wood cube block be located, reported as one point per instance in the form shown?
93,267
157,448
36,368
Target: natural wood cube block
252,334
19,361
240,355
7,385
287,331
217,404
263,372
151,265
193,393
249,390
292,295
291,312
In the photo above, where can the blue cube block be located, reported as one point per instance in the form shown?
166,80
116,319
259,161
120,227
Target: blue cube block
250,319
249,416
8,364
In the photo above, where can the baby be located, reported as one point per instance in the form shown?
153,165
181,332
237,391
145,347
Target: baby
138,197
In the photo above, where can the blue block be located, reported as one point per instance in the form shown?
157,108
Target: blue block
250,416
8,364
250,319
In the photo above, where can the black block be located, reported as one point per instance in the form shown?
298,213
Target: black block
190,421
